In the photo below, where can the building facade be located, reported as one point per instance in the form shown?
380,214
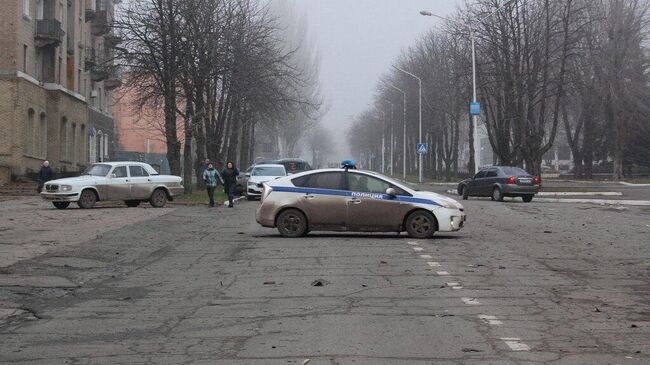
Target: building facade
57,74
140,134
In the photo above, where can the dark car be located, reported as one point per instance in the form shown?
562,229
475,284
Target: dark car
498,182
294,165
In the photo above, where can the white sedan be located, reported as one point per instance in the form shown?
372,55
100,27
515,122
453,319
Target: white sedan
131,182
261,174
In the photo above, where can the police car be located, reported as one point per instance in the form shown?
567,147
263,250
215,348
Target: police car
347,199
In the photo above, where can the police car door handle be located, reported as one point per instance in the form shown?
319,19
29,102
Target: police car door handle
355,201
310,196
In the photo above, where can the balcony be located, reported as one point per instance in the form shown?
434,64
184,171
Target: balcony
90,10
99,73
90,59
48,33
112,40
114,79
100,24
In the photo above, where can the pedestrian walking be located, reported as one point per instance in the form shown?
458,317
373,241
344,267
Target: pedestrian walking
44,175
211,178
230,174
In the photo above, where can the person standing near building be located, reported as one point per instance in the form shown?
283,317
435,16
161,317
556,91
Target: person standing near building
230,174
211,178
44,175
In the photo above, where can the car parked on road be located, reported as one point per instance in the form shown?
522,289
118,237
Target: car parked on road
347,199
498,182
261,174
294,165
131,182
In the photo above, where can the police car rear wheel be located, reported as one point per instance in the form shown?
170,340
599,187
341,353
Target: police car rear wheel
292,223
421,224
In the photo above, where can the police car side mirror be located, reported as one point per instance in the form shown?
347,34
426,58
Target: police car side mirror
113,176
248,174
391,192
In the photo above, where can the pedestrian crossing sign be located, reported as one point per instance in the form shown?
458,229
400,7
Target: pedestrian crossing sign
422,148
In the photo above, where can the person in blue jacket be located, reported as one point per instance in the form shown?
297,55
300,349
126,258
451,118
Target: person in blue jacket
211,178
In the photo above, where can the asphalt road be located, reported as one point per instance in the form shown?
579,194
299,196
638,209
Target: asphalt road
537,283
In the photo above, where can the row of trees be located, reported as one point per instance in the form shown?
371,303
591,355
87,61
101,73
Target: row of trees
220,71
548,71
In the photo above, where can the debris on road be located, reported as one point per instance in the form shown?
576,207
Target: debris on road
319,282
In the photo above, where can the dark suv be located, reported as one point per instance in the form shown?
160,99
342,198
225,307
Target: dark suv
498,182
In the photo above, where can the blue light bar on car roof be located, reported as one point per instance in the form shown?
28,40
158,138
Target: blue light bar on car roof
349,164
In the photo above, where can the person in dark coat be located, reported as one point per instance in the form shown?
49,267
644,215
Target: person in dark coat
229,175
44,175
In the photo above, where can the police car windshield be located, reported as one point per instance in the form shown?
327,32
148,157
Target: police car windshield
399,183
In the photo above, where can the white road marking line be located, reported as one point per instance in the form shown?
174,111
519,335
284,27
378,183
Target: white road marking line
433,264
492,320
413,243
426,256
455,286
515,344
470,301
418,249
580,193
442,273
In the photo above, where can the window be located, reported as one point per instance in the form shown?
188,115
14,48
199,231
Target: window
324,180
120,172
105,146
73,149
63,139
43,132
82,145
29,132
39,9
137,171
60,73
268,147
480,174
368,184
514,171
24,58
26,11
491,173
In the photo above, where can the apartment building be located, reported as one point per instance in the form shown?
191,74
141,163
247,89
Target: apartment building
57,75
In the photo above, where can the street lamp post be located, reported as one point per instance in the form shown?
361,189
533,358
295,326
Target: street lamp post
404,145
473,44
383,142
392,140
420,179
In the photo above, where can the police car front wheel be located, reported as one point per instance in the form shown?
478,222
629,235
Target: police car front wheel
421,224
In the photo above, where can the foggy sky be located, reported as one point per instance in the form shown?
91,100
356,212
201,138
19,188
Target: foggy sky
358,40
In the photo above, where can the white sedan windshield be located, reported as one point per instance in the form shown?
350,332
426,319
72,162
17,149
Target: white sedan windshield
268,171
98,170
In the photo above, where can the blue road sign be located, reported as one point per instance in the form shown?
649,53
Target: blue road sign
422,148
474,108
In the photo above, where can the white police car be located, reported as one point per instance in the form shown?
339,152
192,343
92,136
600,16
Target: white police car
348,199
